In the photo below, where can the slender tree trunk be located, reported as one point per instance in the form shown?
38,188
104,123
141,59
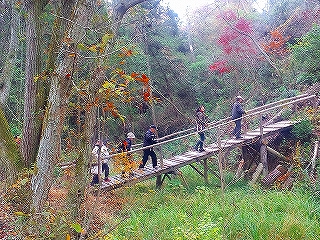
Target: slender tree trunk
10,158
34,90
49,148
5,80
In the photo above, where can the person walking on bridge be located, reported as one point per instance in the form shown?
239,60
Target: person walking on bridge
202,122
237,113
100,152
149,139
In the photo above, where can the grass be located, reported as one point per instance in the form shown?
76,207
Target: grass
205,212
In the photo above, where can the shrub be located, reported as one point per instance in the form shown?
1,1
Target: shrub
302,130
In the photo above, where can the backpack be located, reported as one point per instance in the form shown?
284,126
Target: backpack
122,146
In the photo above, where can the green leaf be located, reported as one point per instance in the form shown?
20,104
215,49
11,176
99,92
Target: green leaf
21,214
24,181
107,37
82,47
108,85
76,227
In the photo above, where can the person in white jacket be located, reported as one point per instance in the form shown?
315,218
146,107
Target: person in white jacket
100,151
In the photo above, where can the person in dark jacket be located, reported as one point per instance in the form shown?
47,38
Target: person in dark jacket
237,113
202,122
149,139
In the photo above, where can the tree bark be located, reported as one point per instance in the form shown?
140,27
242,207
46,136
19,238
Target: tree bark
10,159
49,148
34,95
264,158
121,7
5,80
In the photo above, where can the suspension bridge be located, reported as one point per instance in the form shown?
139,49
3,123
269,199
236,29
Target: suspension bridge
256,128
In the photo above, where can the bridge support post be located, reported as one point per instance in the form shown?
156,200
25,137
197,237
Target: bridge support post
263,157
315,103
159,181
261,125
220,157
205,170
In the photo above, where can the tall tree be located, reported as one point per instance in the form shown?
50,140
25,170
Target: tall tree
61,85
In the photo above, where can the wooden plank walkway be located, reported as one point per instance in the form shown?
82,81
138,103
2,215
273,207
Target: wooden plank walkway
189,157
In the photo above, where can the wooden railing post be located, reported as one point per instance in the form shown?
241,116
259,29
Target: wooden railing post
161,157
261,125
159,181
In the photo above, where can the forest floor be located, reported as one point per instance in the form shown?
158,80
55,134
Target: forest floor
108,204
6,219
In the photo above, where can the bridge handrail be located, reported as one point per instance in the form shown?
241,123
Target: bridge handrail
222,123
229,118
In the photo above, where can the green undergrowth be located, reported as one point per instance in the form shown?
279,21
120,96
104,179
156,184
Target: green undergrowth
202,211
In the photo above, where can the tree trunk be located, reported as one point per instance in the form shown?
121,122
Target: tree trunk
49,148
34,95
5,80
10,160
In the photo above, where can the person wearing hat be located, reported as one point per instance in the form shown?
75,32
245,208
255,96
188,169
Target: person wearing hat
127,144
149,139
237,112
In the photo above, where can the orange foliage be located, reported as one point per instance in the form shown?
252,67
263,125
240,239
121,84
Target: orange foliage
276,44
126,53
146,95
124,164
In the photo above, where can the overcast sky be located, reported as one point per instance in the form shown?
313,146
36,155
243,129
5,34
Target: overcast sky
180,6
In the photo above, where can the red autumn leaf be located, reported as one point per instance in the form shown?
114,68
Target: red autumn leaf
134,75
233,39
68,76
146,96
145,79
219,66
129,53
277,43
114,113
243,25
